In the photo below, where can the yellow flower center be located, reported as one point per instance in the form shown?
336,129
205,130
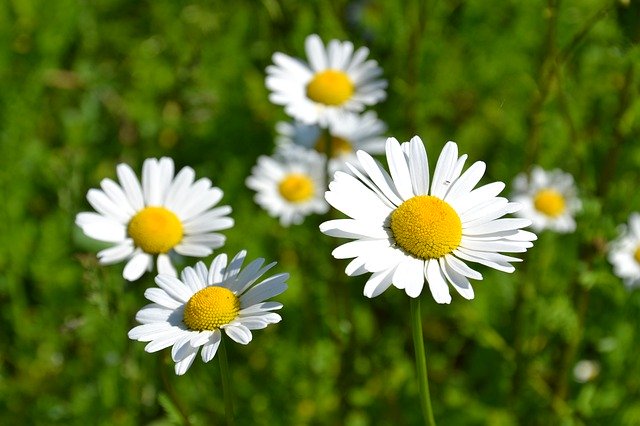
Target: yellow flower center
330,87
550,202
211,308
296,188
426,227
155,230
338,145
636,255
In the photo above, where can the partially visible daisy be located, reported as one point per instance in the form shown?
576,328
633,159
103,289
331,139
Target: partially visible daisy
347,133
549,199
624,252
335,79
406,231
190,313
163,215
290,185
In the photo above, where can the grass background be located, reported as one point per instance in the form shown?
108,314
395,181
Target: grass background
86,85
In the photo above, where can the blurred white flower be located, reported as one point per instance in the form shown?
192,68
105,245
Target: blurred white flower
290,185
549,199
190,313
347,133
624,252
406,231
162,215
586,370
335,79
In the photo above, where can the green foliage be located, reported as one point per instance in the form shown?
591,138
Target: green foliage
86,85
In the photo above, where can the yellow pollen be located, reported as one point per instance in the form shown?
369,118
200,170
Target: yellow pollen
636,255
330,87
338,145
426,227
549,201
155,230
211,308
296,188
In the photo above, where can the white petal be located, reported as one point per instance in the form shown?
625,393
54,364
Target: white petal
409,275
193,250
116,254
209,350
101,228
459,281
379,176
165,266
418,166
399,169
105,206
437,284
136,266
351,228
462,268
216,269
131,186
467,181
175,288
238,332
267,289
159,296
182,366
378,282
192,280
444,170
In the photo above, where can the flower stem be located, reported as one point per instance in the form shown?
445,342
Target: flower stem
226,384
421,362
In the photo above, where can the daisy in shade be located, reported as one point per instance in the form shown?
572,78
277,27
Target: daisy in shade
549,199
163,215
290,185
335,79
406,231
624,253
346,134
191,312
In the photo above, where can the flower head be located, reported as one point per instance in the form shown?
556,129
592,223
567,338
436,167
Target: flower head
335,79
290,184
347,133
549,199
163,215
190,313
624,252
406,231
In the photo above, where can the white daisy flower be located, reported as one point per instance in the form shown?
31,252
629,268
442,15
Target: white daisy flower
163,215
405,233
335,79
624,252
190,312
290,185
549,199
348,133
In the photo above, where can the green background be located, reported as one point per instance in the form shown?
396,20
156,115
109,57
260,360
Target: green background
85,85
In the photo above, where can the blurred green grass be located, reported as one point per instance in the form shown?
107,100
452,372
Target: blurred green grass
86,85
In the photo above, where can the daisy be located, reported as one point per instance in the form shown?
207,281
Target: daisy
335,79
549,199
165,214
348,133
290,185
624,253
191,312
405,231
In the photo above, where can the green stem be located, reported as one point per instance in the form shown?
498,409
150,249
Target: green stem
421,362
226,384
